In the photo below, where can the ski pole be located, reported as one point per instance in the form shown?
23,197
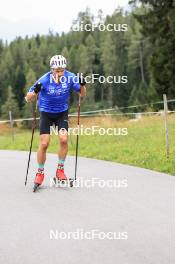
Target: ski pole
33,130
77,141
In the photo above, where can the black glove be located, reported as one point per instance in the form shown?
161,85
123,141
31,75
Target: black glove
37,88
82,80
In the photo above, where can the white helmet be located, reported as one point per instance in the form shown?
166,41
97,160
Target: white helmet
58,61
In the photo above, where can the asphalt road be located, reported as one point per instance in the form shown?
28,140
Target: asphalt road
71,225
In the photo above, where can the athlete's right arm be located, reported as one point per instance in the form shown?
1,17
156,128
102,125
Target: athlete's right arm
30,97
32,94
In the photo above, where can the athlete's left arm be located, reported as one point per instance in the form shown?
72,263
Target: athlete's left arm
78,85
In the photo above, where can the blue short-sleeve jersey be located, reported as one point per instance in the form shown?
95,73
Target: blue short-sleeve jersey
53,97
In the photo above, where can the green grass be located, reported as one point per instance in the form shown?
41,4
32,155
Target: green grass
144,146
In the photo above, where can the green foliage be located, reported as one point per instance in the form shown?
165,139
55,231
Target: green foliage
144,53
10,105
158,25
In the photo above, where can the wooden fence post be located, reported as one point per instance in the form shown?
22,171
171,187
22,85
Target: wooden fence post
166,124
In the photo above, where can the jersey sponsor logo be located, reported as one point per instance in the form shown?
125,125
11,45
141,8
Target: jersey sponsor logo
58,92
64,85
51,90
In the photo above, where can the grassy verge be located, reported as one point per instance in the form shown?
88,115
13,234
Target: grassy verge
144,146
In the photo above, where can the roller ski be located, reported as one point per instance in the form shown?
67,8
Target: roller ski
61,179
38,180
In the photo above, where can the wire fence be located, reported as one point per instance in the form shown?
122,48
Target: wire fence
114,112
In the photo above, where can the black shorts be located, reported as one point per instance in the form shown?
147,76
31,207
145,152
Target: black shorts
47,120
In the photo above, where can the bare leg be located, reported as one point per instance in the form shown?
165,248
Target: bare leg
43,145
63,138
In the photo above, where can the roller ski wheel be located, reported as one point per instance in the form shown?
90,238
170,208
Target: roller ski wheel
35,187
71,183
64,183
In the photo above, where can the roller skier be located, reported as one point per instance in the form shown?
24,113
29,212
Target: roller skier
53,91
